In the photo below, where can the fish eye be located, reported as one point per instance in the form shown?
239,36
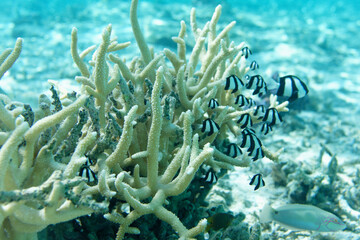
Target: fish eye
276,212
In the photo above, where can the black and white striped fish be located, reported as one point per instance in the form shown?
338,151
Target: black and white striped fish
258,181
256,154
252,143
250,140
210,126
210,177
291,86
259,111
260,90
233,83
213,103
245,120
233,150
257,82
247,131
266,128
251,102
254,81
242,100
246,52
272,116
86,172
254,65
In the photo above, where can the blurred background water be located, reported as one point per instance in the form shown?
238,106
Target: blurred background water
317,39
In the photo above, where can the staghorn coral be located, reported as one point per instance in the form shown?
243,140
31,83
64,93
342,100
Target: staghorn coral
135,125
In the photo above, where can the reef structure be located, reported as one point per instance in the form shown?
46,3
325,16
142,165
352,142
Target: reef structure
136,134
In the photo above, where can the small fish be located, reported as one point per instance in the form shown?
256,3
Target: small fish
254,65
259,111
233,82
219,221
242,100
86,172
261,88
210,177
251,102
248,131
252,143
272,116
245,120
258,83
291,86
233,150
258,181
301,217
257,153
210,126
266,128
213,103
255,81
246,52
260,91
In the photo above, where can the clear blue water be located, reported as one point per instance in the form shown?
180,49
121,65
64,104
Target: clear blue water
315,40
327,30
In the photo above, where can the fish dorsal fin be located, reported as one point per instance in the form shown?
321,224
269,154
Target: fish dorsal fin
266,214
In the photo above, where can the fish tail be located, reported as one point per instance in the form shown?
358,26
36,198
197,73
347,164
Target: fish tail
266,214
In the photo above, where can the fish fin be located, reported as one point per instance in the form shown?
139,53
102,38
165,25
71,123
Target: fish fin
266,214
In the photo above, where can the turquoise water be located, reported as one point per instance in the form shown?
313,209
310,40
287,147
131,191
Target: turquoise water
315,36
315,40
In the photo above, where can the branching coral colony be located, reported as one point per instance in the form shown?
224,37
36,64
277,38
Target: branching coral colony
138,132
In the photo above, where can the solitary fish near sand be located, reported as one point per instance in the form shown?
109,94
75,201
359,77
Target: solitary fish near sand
302,217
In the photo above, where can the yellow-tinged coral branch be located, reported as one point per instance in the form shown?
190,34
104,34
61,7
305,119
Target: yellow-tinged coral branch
181,88
115,159
174,59
75,55
149,68
191,169
144,49
84,53
127,74
8,149
181,157
6,117
154,133
124,228
33,133
8,61
103,185
4,55
181,42
173,167
169,217
210,70
114,46
101,69
244,162
78,158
